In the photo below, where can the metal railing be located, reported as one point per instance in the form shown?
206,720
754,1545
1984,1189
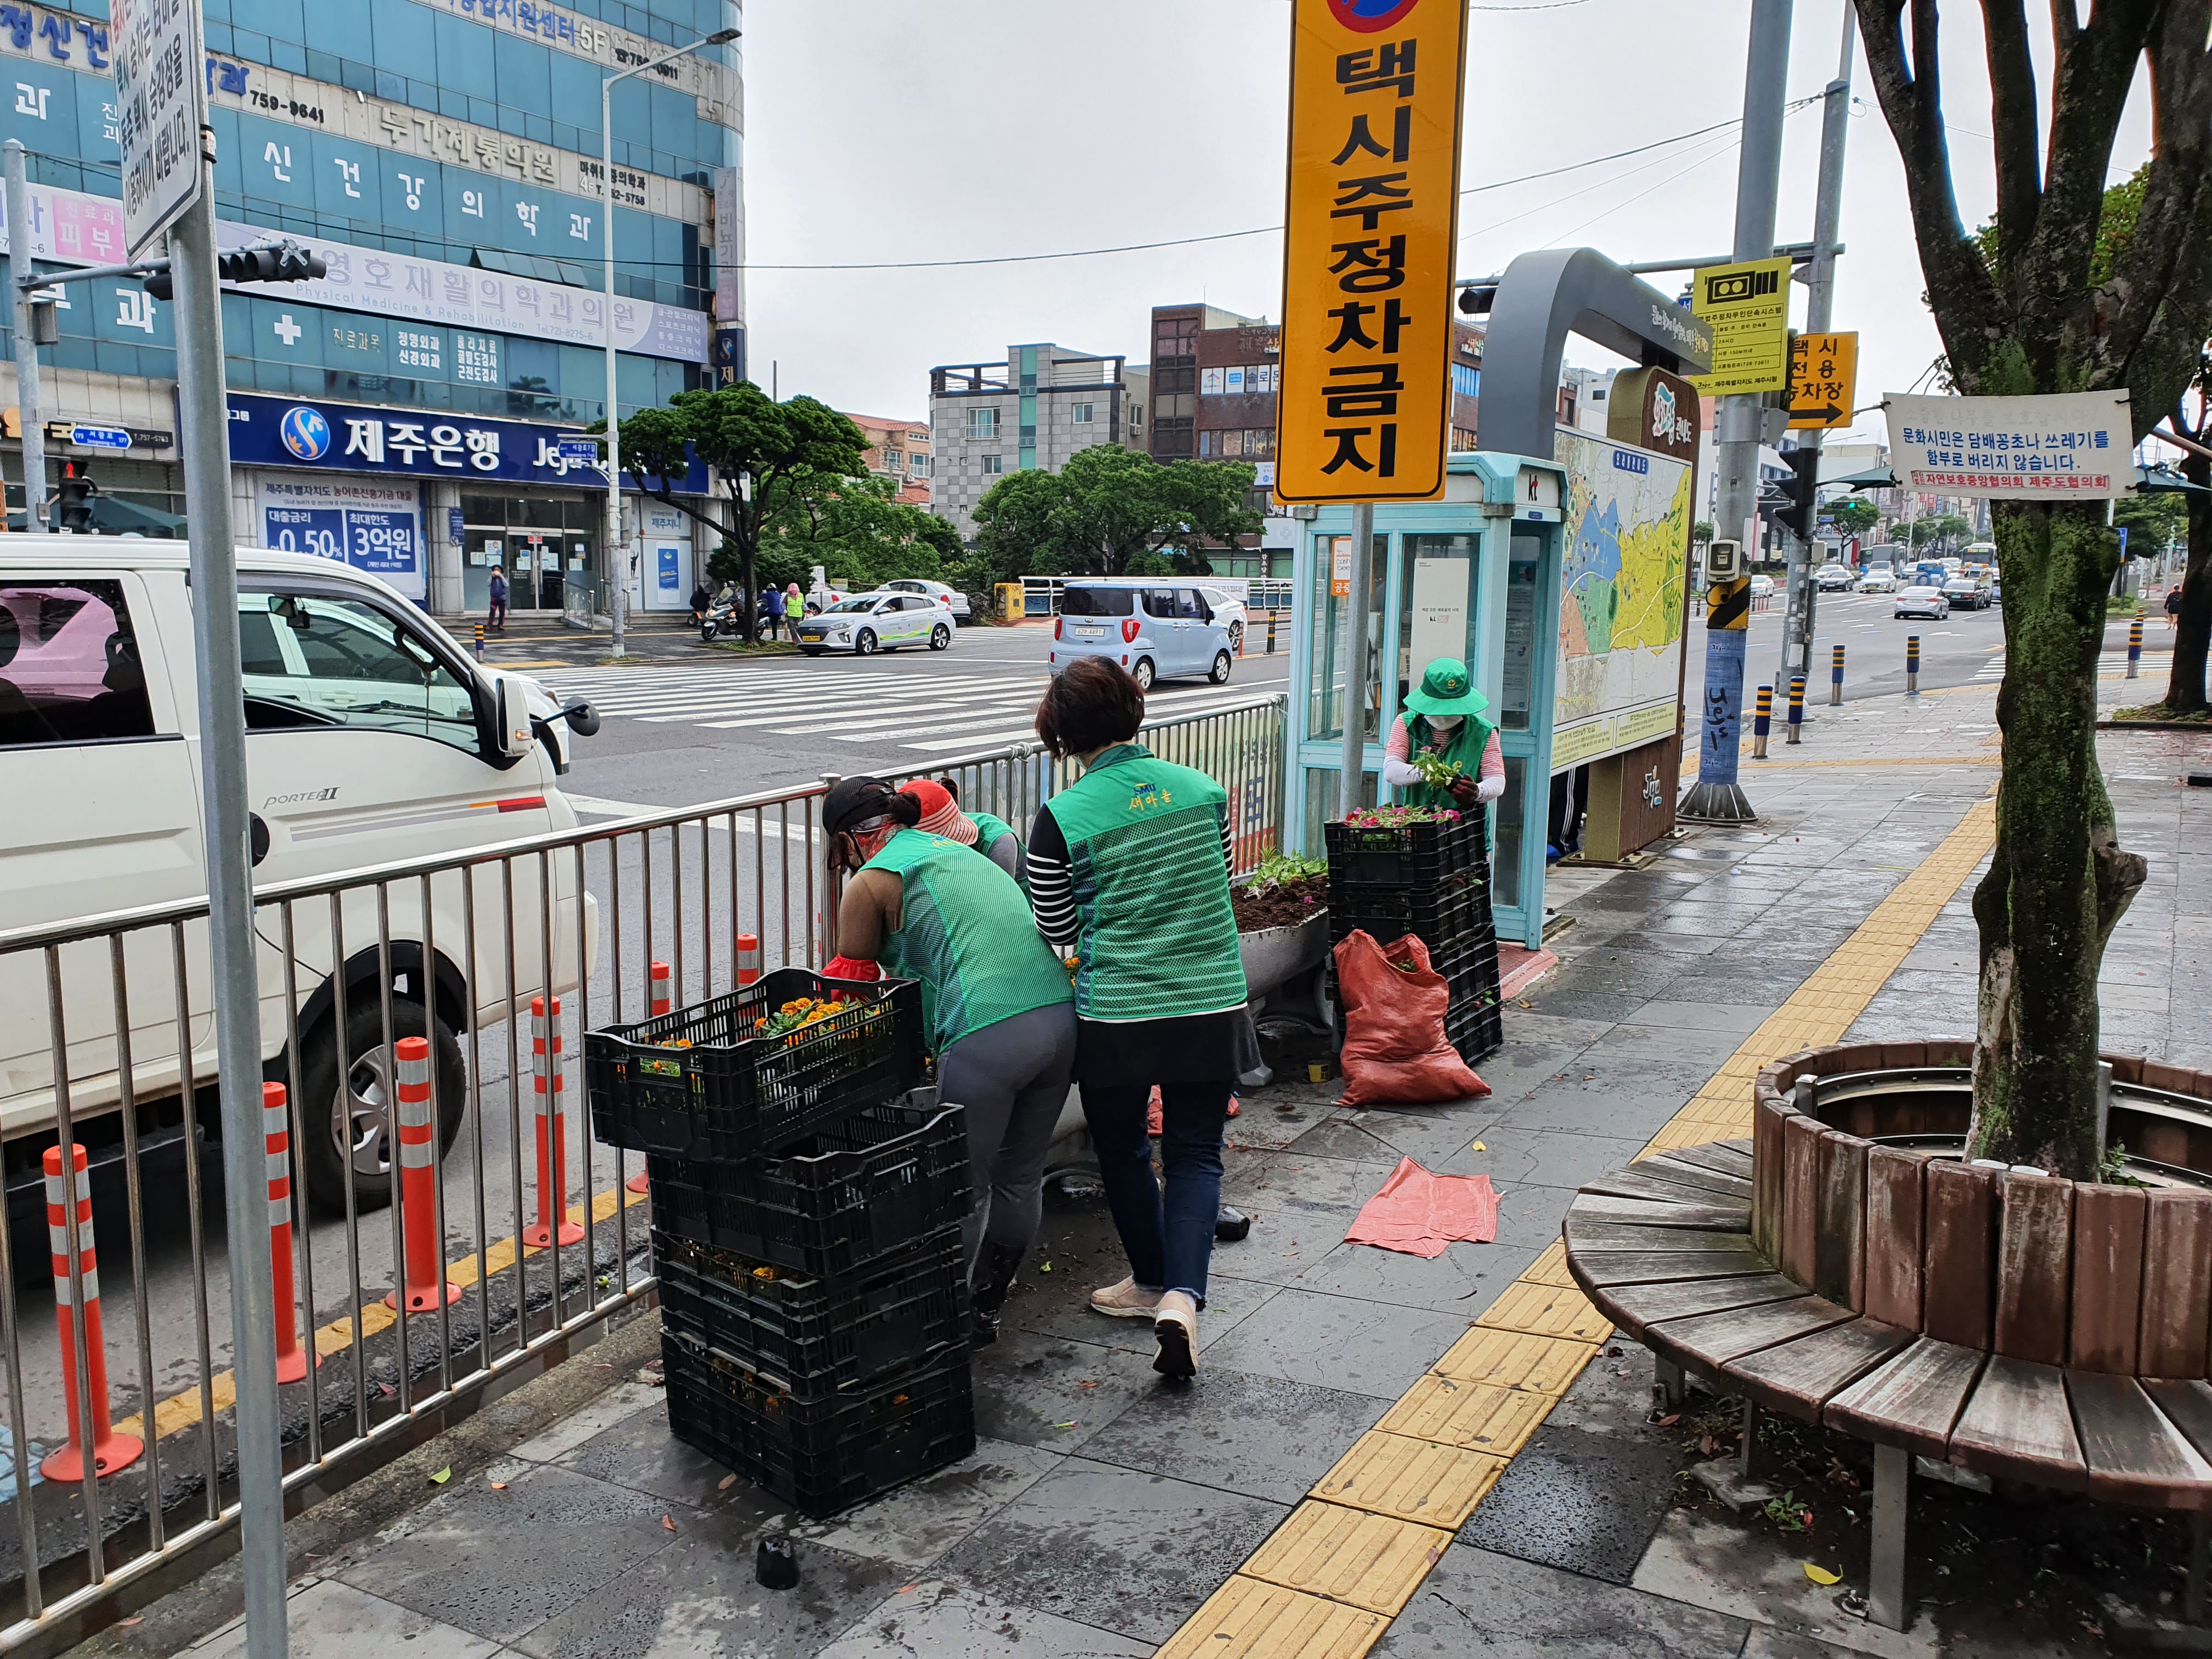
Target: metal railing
105,1040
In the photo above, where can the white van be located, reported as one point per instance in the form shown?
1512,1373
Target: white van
372,738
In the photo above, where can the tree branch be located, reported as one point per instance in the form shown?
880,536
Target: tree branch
2014,115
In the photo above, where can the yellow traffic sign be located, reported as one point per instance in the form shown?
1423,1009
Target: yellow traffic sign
1747,309
1824,374
1363,404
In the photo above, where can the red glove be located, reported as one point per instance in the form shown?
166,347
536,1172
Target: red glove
850,968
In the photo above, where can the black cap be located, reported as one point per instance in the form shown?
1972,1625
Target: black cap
854,800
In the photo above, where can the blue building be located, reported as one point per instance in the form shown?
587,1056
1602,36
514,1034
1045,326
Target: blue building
443,156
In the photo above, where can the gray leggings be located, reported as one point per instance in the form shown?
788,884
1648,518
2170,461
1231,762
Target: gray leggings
1013,1078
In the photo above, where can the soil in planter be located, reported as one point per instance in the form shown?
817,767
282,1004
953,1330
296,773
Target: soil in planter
1284,905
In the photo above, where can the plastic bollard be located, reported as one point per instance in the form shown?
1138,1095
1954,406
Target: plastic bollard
1762,722
479,642
748,959
110,1451
1796,707
1271,633
553,1226
1835,679
1912,664
658,976
277,1130
2135,648
424,1270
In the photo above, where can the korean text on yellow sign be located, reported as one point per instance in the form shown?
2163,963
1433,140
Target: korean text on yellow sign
1823,374
1364,402
1747,309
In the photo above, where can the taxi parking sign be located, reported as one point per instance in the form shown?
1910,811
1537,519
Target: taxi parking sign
1372,219
1824,373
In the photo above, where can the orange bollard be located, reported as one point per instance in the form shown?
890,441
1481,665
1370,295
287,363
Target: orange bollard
110,1451
748,959
552,1226
416,1144
276,1127
659,976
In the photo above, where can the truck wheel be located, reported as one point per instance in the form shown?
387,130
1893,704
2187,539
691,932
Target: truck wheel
352,1123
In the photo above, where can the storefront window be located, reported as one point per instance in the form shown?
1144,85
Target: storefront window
1326,720
1436,607
1519,676
1505,859
546,544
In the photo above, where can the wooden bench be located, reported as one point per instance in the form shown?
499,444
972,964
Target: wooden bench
1664,1248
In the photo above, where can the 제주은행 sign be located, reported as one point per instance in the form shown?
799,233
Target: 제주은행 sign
2076,445
1363,406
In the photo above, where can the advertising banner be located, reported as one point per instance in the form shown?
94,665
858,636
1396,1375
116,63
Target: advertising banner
2076,445
371,526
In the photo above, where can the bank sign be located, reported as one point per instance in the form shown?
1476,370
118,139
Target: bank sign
329,437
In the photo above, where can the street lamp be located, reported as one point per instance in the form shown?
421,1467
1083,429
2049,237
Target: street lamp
617,558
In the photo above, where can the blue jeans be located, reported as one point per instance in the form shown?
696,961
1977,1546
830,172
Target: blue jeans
1168,1239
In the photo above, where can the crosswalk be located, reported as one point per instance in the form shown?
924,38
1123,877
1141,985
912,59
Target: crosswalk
847,702
2154,662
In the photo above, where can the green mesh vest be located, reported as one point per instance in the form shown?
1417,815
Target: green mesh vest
1474,738
966,933
988,831
1158,940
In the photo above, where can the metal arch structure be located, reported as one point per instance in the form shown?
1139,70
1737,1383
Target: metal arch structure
1540,300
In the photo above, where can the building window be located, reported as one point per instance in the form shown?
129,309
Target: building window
1467,382
1079,413
914,437
994,465
983,423
1462,437
1249,443
1171,436
918,466
1136,417
1175,339
892,461
1209,381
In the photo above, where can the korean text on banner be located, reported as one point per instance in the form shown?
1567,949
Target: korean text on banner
1824,377
161,97
1747,309
2076,445
1372,217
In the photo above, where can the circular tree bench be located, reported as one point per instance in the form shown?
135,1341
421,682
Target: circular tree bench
1845,1267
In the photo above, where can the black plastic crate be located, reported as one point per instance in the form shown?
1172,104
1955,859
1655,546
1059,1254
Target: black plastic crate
1408,855
1442,915
731,1094
1477,1032
823,1455
1467,961
814,1337
864,1188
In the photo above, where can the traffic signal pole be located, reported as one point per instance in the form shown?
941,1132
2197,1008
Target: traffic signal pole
29,416
1716,797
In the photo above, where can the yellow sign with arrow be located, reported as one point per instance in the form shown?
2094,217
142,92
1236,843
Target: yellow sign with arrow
1823,372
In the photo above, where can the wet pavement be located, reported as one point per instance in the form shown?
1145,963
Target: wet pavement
1102,1508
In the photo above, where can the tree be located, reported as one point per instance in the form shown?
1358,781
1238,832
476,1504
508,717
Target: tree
1702,531
769,455
2022,311
2185,689
1108,504
1853,516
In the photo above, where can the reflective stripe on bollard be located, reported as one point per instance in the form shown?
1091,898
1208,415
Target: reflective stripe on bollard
414,1142
110,1451
552,1226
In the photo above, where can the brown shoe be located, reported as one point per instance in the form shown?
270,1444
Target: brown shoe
1124,1300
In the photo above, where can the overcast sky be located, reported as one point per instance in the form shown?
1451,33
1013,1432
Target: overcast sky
899,131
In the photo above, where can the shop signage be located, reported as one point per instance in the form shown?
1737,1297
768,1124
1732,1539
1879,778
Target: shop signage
2074,444
1364,407
1654,409
371,526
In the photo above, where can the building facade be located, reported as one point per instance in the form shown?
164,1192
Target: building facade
405,413
1029,411
898,451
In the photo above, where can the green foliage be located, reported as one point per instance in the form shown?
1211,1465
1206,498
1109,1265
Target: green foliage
2154,520
1702,531
1281,869
1939,530
1108,507
1148,563
1854,517
2116,231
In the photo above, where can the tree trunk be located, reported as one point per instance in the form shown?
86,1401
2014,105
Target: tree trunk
2057,882
2184,691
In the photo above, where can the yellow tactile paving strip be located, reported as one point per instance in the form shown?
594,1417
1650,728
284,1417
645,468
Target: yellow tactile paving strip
1327,1584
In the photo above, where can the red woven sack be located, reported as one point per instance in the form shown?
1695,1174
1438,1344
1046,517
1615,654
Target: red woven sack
1393,1022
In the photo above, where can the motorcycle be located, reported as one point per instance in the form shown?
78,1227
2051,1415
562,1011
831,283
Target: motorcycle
726,620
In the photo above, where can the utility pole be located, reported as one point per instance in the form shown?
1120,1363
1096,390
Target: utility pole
1819,312
29,416
1716,797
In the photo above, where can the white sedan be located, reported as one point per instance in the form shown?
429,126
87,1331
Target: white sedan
1924,601
952,598
869,622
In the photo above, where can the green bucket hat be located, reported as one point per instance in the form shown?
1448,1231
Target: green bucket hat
1446,689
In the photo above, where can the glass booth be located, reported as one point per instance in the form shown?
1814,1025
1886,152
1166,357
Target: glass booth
1475,575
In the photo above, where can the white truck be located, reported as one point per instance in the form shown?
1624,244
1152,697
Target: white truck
372,738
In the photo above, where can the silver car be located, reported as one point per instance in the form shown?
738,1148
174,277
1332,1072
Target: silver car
1156,632
1923,602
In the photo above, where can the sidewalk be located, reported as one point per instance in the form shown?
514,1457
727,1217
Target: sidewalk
1380,1454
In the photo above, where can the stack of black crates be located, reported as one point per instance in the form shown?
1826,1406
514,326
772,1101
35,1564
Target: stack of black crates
1432,880
806,1205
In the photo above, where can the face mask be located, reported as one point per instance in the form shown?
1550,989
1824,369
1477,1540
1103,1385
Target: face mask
1445,725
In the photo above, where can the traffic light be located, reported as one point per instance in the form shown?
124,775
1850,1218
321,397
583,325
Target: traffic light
289,264
73,498
1799,489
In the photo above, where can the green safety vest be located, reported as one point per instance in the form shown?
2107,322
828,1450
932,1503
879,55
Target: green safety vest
988,830
1156,939
966,933
1467,749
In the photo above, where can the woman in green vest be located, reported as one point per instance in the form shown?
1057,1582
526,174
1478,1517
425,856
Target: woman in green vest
991,837
1445,722
1129,874
996,1004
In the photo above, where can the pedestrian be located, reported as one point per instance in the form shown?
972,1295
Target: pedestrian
496,621
1129,874
996,1006
1446,722
995,837
772,609
2174,605
702,602
794,607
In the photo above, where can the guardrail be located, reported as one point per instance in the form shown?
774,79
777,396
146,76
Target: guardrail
119,1054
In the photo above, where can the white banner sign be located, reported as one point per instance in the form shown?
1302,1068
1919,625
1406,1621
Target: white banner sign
371,526
161,98
2076,445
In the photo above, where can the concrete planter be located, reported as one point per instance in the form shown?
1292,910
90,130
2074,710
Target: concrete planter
1275,955
1860,1194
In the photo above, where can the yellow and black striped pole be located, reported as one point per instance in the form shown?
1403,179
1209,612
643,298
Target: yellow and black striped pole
2135,648
1796,706
1762,721
1912,664
1835,679
479,642
1271,632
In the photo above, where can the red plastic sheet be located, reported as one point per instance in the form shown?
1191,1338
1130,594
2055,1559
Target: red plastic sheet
1420,1214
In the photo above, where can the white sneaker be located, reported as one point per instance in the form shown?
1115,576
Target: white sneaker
1124,1300
1175,1324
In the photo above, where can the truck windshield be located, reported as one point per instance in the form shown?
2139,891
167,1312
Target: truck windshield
1099,601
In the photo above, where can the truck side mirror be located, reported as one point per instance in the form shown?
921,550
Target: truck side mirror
511,709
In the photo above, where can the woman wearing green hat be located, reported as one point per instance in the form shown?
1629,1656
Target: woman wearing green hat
1445,720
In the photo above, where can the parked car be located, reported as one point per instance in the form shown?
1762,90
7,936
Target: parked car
1924,601
1229,609
1878,579
950,597
882,621
371,738
1156,633
1762,587
1833,578
1968,592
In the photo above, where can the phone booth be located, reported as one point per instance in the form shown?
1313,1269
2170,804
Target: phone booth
1475,576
